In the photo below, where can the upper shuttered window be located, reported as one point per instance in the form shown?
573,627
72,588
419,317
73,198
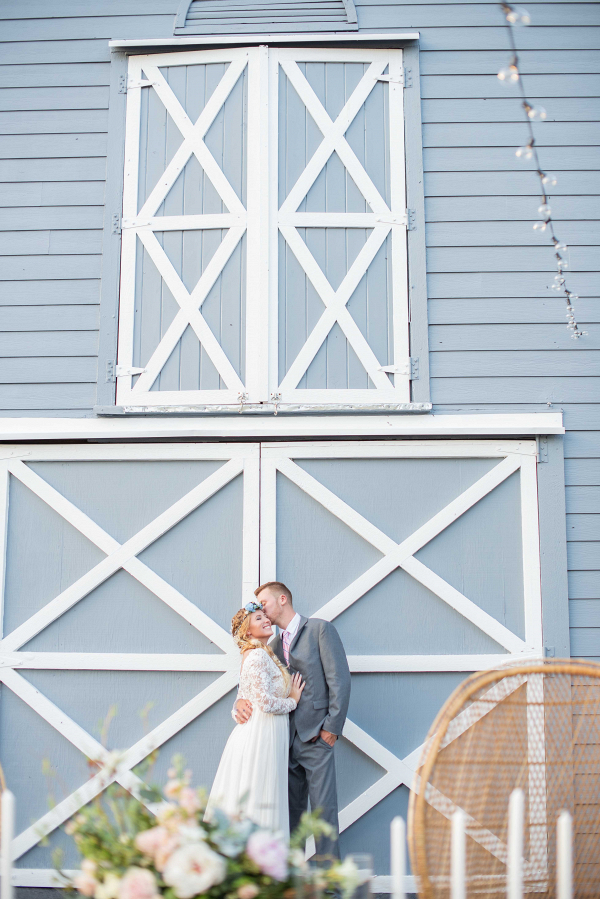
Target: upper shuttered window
248,16
264,229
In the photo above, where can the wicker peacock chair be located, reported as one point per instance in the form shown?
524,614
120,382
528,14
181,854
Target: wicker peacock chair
534,726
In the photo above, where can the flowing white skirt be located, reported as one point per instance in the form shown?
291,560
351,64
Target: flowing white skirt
252,778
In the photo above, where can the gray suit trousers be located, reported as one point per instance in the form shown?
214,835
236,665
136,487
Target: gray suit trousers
312,776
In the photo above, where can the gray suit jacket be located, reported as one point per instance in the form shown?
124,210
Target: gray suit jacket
317,653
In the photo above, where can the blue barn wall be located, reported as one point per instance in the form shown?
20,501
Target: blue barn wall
498,340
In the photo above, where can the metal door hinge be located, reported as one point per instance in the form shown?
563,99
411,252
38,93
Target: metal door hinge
411,217
411,368
127,84
127,371
116,223
549,652
542,449
405,78
110,371
394,219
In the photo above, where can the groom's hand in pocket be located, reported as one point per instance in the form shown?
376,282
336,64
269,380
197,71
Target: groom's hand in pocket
326,737
243,710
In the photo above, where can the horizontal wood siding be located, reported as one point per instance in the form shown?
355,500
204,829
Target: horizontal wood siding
497,335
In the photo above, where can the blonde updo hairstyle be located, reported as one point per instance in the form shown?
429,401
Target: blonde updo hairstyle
240,624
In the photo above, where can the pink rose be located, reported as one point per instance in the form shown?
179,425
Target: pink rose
138,883
269,852
172,788
158,844
248,891
188,800
85,884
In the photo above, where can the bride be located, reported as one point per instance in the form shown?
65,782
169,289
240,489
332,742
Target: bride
253,771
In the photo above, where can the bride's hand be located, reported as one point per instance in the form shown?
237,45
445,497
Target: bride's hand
298,686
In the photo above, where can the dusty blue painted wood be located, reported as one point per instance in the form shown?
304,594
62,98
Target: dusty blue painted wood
582,444
39,9
40,397
584,585
562,109
514,390
553,549
480,62
466,154
48,318
544,363
29,218
26,242
548,134
38,194
86,27
582,472
53,121
53,169
61,51
49,370
471,15
511,234
509,337
508,183
583,527
478,38
508,209
488,85
210,17
508,311
583,499
584,613
25,146
39,293
29,268
585,642
506,284
51,74
22,98
19,345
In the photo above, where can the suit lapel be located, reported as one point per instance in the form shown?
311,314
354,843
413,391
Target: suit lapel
303,621
277,647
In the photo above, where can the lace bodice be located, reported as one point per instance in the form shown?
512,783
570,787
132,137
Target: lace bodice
263,684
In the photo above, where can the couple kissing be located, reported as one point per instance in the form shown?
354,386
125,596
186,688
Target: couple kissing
291,707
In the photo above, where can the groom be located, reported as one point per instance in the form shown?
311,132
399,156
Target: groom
312,647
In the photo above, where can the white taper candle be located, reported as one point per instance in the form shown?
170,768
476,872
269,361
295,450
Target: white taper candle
7,822
564,856
398,856
514,878
458,857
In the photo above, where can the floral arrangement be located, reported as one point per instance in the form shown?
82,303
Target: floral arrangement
131,853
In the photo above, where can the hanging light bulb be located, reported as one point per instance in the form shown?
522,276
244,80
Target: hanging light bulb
573,296
540,226
559,279
560,246
518,15
545,211
525,152
535,113
549,180
509,73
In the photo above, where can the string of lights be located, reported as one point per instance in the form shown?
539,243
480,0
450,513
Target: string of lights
515,16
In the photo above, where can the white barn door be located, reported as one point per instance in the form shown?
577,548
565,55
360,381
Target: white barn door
264,252
339,294
426,557
193,229
123,568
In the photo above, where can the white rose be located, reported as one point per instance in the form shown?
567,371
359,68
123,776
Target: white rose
109,889
194,869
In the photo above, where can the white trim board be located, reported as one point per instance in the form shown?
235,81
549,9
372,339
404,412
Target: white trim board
296,38
271,427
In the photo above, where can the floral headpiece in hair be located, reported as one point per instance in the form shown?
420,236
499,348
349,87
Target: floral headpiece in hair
249,608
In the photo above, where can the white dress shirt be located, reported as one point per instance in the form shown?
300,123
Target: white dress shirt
292,627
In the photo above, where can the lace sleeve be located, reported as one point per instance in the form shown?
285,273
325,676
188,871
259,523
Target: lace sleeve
259,687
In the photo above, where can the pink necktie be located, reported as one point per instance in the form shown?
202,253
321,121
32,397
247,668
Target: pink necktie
285,637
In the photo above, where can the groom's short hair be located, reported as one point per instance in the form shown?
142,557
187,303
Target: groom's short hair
276,587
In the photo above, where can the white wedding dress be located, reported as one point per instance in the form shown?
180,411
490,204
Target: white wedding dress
252,778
